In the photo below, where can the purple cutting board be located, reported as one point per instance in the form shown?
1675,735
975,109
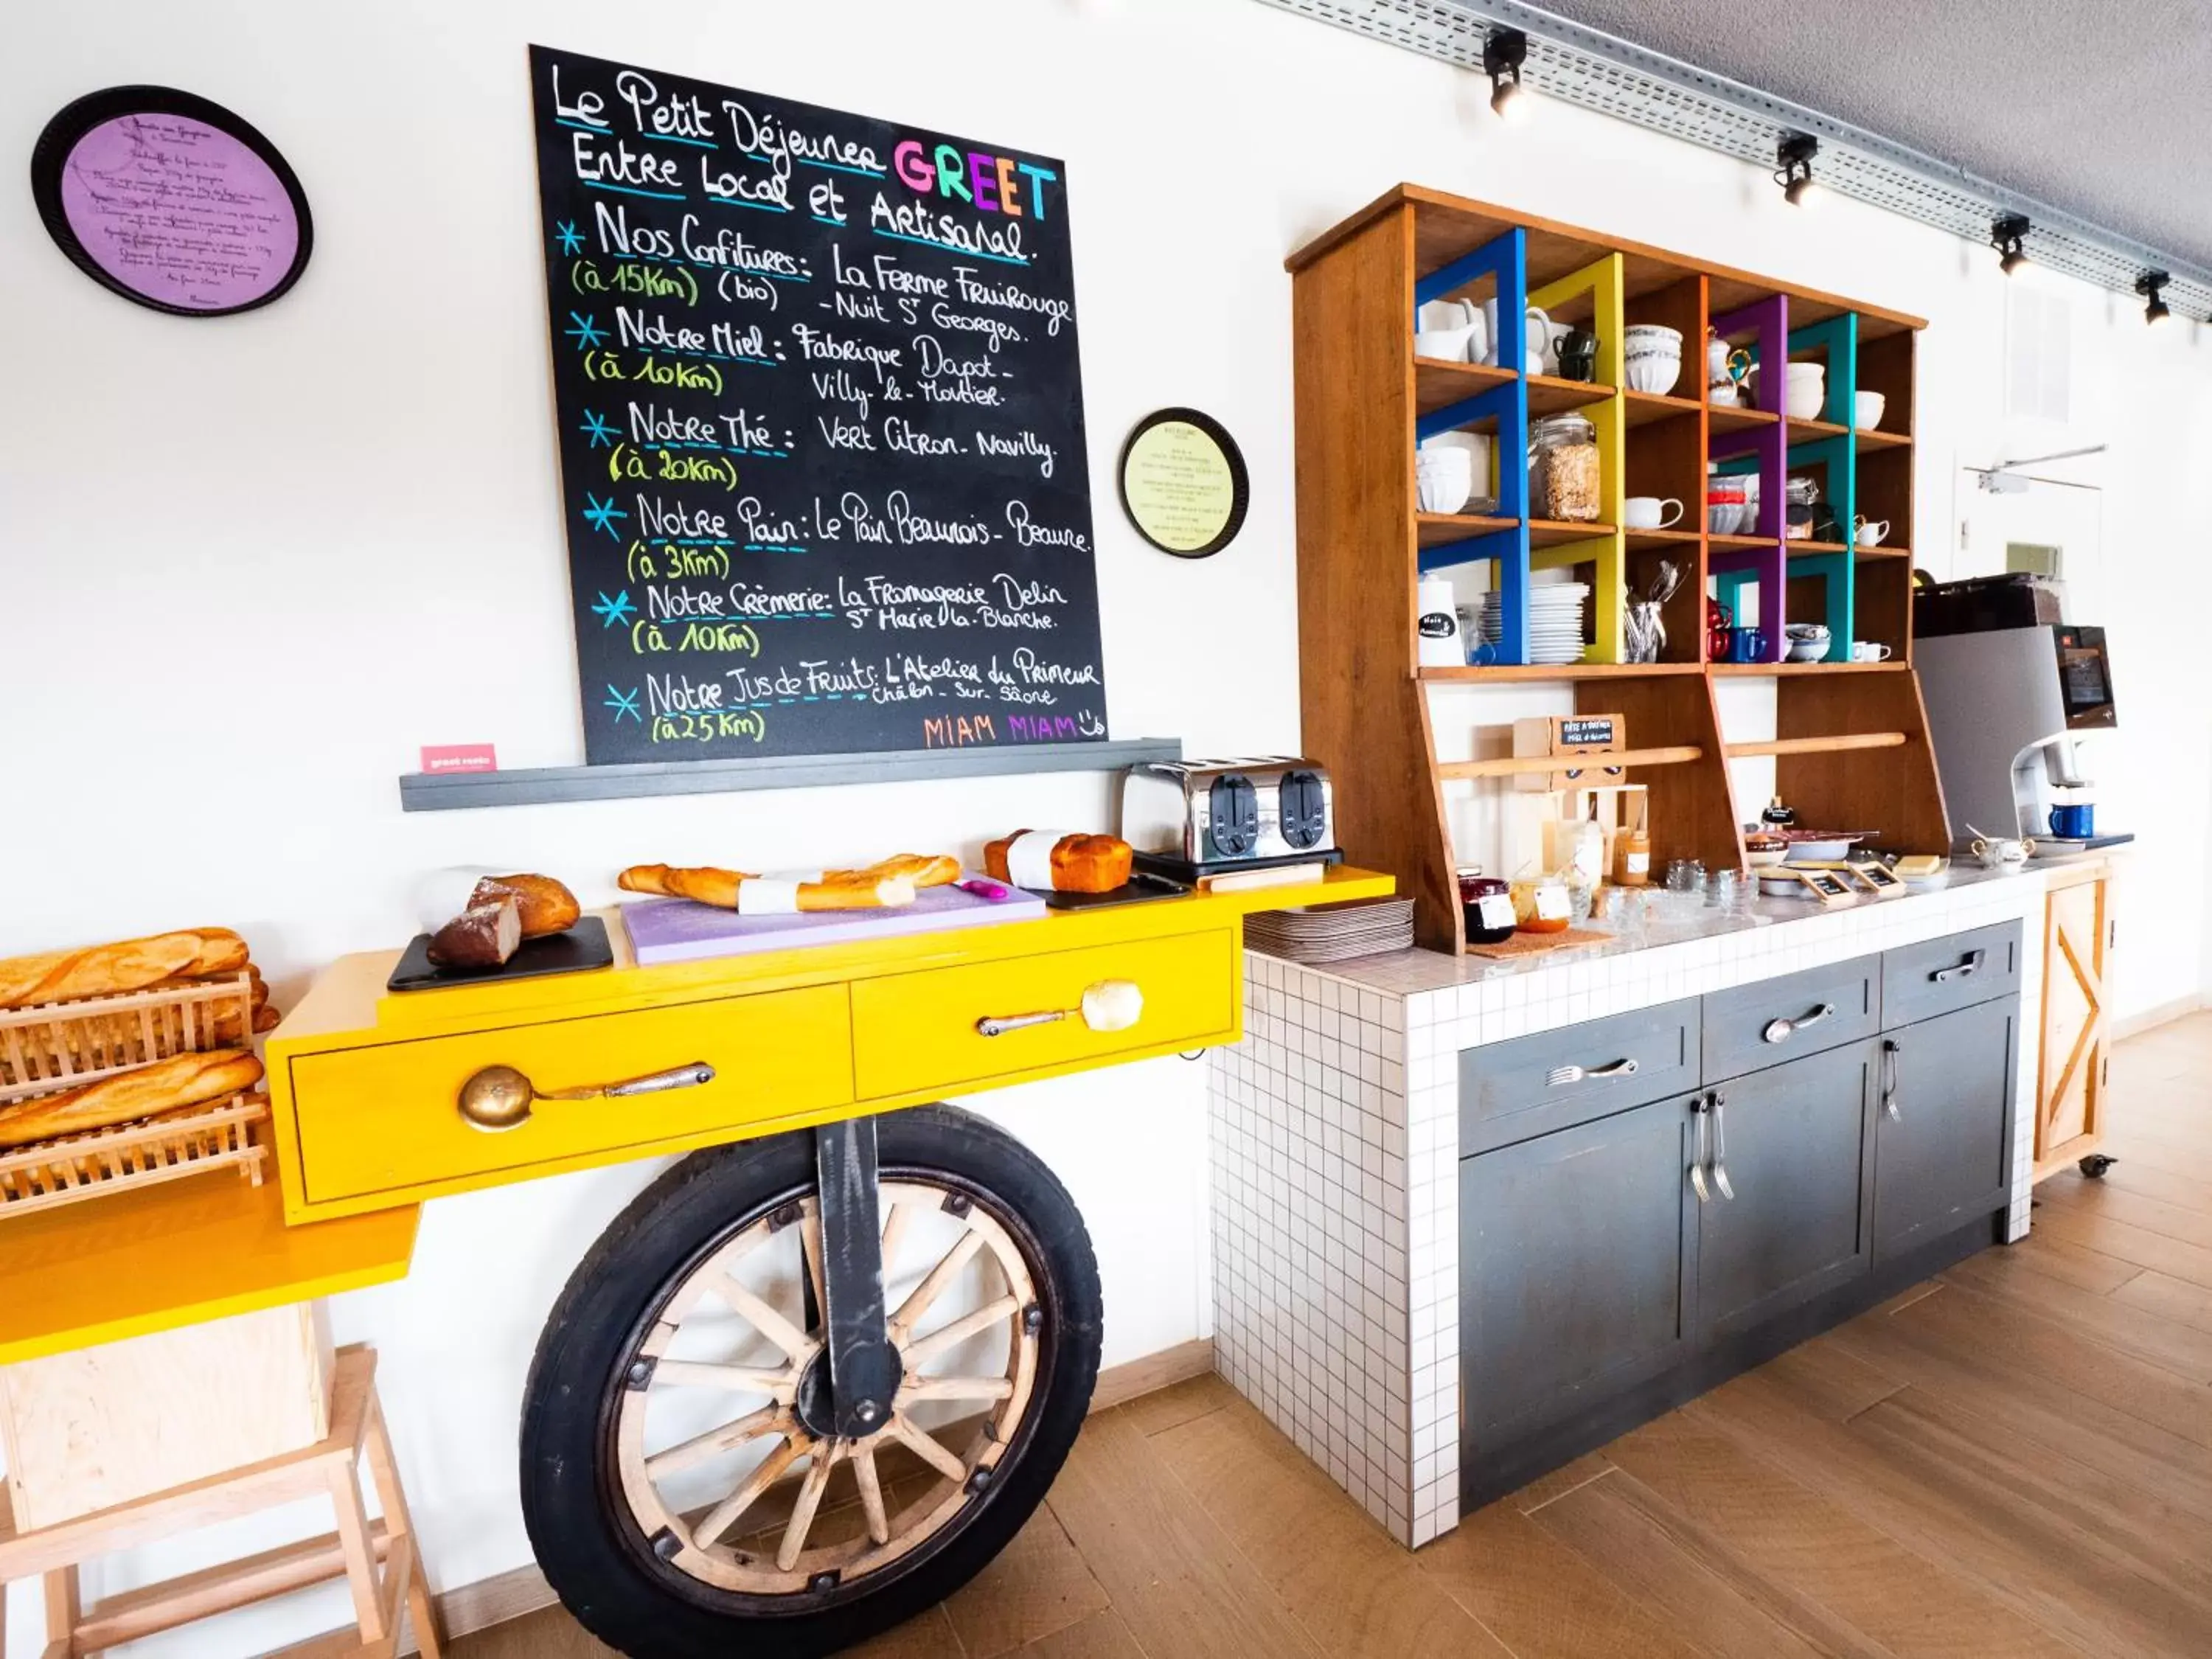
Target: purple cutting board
677,930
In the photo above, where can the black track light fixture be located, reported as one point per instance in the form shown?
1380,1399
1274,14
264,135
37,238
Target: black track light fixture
1504,51
1793,169
2151,285
2008,236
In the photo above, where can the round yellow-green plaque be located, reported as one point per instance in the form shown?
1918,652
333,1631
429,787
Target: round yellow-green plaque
1183,482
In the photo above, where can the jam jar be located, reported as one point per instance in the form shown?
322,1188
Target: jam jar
1487,904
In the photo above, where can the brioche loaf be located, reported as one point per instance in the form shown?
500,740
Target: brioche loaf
163,1086
1063,864
547,906
131,965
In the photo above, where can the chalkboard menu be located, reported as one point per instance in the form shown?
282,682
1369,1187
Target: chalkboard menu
820,419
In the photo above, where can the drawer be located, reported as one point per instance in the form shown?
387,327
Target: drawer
1772,1020
1919,981
1509,1092
371,1119
917,1032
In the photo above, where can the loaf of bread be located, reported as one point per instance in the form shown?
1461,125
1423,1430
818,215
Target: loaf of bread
749,895
163,1086
482,936
1060,864
547,906
132,964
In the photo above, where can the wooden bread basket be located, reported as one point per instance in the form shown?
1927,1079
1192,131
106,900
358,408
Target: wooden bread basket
64,1045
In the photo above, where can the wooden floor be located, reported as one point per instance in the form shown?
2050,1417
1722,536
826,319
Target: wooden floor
2013,1459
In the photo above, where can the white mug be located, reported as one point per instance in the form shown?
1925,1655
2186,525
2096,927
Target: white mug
1871,532
1650,512
1869,651
1538,335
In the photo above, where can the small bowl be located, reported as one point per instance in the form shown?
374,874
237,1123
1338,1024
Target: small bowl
1866,410
1765,858
1805,399
1806,651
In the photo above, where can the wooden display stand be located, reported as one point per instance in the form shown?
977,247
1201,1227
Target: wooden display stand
378,1559
1851,746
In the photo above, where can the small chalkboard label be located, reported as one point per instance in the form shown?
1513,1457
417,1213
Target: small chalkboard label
820,420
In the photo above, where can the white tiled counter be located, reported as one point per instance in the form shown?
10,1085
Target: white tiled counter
1335,1156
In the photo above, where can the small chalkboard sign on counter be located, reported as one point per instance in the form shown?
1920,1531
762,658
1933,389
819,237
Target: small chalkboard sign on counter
820,424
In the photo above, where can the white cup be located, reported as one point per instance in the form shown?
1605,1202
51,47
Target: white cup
1869,651
2004,853
1650,512
1871,532
1538,335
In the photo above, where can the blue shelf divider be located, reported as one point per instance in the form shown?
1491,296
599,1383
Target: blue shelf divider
1506,258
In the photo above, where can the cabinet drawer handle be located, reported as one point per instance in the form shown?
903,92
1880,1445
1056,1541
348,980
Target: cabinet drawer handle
1781,1031
1698,1183
1958,971
1111,1004
1559,1076
1720,1145
499,1096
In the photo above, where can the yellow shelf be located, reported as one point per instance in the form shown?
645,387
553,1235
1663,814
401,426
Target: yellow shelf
179,1253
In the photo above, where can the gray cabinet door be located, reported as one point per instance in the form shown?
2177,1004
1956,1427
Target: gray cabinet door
1576,1270
1943,1124
1795,1142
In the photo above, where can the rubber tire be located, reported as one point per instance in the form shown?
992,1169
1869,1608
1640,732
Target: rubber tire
590,1548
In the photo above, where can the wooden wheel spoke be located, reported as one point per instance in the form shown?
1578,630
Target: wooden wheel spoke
956,1387
926,1447
765,1320
894,1226
724,1515
944,1336
802,1512
704,1448
778,1384
871,1492
933,1286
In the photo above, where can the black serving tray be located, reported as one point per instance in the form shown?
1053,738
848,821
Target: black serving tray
1182,870
1142,888
582,948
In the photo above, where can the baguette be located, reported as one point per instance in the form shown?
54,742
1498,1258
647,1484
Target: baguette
838,890
131,965
167,1085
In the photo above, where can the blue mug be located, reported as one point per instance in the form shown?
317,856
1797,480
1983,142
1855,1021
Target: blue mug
1745,645
2076,822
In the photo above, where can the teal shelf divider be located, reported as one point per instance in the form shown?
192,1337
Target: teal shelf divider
1837,572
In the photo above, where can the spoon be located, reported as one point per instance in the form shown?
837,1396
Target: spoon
499,1098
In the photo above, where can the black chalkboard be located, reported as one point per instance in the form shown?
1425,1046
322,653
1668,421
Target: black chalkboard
820,422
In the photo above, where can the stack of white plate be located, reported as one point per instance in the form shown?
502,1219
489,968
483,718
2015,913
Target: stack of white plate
1555,621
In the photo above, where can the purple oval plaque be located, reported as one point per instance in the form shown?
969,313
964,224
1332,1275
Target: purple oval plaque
171,201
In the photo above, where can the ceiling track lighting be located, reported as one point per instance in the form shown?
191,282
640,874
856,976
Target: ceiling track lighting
1794,166
2009,236
2151,285
1504,51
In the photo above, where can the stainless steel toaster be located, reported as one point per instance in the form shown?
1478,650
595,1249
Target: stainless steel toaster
1209,812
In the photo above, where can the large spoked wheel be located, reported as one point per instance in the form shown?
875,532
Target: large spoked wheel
689,1480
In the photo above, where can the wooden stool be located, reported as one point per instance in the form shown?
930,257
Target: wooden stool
378,1559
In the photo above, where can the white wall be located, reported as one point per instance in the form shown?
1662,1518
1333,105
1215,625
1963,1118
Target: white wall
248,566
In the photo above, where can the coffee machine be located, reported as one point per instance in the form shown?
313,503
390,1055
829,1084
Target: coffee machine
2015,697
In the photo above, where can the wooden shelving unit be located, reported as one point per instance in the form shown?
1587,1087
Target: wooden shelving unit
1851,744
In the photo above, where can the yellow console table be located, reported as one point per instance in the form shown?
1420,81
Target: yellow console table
366,1084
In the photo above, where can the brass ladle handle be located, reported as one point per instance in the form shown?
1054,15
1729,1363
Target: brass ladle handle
499,1096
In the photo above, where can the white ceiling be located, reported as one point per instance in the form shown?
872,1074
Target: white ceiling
2104,110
